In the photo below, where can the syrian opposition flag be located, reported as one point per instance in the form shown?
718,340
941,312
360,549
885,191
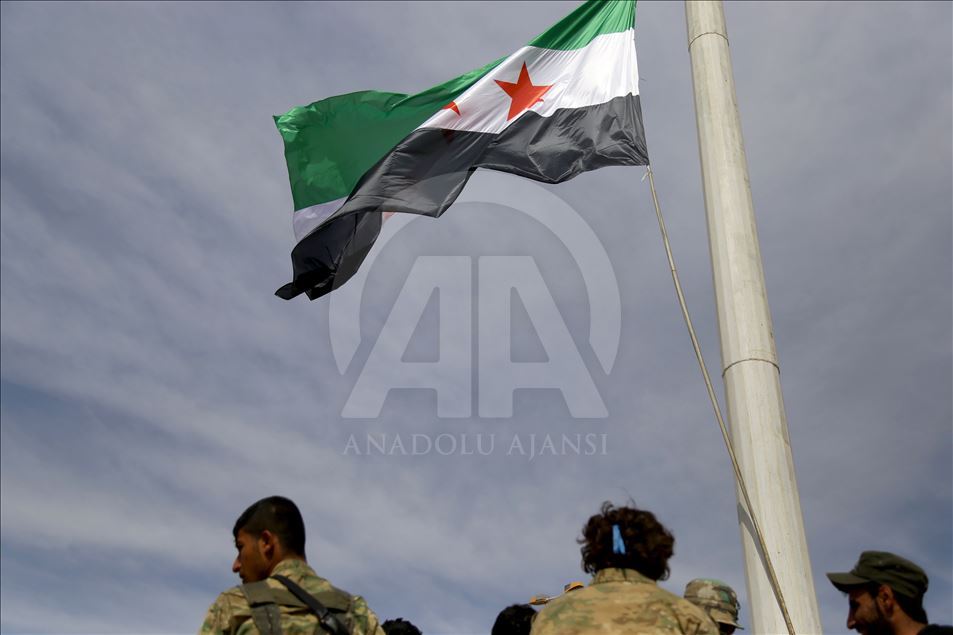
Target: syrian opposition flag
566,103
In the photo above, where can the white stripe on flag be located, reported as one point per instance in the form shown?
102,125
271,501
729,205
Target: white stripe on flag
306,219
604,69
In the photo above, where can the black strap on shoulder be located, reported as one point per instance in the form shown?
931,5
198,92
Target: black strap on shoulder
325,617
264,610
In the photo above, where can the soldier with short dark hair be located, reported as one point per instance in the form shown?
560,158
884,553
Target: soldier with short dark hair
516,619
885,595
400,626
281,594
627,550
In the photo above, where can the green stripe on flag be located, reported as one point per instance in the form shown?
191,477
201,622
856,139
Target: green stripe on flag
592,19
331,143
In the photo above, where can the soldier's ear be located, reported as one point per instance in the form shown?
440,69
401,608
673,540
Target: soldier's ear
267,543
885,598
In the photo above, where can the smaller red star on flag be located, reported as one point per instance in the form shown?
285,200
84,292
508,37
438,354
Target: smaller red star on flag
523,93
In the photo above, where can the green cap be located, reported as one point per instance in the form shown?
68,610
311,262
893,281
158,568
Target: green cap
882,567
717,598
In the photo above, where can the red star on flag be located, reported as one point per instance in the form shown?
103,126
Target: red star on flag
523,93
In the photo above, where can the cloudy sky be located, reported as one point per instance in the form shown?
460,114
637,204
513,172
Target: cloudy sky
153,386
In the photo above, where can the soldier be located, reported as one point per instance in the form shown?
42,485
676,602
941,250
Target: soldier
516,619
400,626
627,551
885,595
280,592
719,601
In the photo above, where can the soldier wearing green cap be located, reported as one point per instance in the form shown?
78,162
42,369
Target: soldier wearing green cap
718,599
885,595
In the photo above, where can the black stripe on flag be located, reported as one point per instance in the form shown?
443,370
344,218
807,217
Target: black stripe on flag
426,172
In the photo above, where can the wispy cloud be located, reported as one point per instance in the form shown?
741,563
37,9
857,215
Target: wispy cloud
152,386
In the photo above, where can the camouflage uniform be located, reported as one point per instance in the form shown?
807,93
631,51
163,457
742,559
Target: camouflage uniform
622,601
231,615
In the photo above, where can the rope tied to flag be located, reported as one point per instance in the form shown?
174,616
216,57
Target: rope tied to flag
762,544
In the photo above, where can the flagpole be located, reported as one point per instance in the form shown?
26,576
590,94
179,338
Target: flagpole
749,359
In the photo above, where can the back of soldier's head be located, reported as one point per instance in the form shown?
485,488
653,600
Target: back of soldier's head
400,626
278,515
516,619
626,538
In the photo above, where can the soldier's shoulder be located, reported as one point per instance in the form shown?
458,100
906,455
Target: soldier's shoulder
361,620
231,600
683,608
572,611
329,595
641,607
228,610
692,619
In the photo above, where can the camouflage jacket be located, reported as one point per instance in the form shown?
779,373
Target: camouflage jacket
231,615
622,601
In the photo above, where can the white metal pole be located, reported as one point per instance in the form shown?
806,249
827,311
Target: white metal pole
749,358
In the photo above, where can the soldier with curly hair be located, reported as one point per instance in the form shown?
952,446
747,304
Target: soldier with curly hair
626,549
